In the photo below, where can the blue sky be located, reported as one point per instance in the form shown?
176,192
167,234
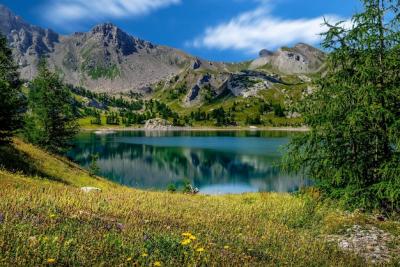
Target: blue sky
220,30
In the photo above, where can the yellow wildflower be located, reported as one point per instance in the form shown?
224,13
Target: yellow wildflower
226,247
129,259
192,237
51,261
157,263
186,234
145,254
186,242
52,216
200,250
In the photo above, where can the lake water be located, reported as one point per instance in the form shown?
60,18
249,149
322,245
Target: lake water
217,162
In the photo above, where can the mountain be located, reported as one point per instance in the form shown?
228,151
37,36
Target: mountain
27,42
106,59
301,58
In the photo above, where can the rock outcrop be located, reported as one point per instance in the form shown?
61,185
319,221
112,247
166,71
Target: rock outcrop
250,83
88,189
369,242
157,124
300,59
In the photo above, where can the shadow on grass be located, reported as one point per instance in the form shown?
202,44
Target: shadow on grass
14,160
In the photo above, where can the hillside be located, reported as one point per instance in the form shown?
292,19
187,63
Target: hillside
46,219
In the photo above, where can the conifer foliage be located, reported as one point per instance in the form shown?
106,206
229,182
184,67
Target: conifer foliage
353,146
12,102
52,122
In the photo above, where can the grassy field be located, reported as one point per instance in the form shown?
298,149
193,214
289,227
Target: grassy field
45,219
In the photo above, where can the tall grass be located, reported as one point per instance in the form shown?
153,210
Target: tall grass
48,222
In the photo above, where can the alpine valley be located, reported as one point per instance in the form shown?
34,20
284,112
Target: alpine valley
119,79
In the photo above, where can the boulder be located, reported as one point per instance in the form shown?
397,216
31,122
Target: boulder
157,124
88,189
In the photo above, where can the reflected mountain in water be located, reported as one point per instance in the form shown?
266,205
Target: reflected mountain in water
215,162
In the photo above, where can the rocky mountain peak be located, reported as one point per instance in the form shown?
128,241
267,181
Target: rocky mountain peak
113,36
265,53
105,29
9,21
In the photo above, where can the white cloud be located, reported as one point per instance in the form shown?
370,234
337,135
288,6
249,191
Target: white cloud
259,29
65,11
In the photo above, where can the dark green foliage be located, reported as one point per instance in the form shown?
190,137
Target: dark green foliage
207,93
12,102
279,111
188,187
178,91
97,119
94,167
222,118
107,100
172,188
158,109
112,118
199,115
134,118
51,122
266,108
353,147
256,120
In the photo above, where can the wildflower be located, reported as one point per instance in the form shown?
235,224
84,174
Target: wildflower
129,259
226,247
186,242
52,216
200,250
192,237
51,261
186,234
145,255
157,263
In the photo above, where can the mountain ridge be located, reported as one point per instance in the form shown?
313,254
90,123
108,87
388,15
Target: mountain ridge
107,59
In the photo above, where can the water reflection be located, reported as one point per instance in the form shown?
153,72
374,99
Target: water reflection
215,162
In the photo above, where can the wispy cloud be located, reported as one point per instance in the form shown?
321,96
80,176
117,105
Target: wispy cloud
258,29
73,11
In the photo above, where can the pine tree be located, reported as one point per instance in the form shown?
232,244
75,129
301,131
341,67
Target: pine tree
353,147
12,102
52,122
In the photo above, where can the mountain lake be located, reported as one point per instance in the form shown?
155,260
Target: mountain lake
216,162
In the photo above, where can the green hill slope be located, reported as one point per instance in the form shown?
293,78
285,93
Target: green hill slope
46,219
